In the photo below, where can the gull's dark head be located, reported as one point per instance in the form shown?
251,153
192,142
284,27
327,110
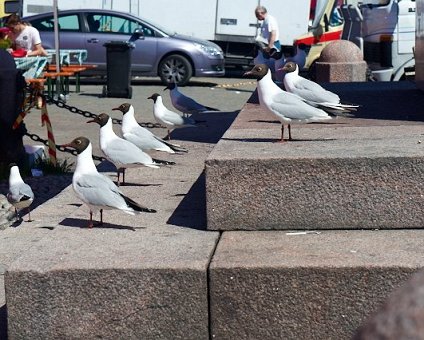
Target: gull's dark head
154,97
101,119
288,67
79,144
124,108
258,71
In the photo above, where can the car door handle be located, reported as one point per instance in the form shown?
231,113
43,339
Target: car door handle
93,40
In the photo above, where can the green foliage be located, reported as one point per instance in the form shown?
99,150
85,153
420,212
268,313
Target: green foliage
49,168
44,165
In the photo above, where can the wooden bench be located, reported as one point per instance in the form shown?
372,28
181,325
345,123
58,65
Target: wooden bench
64,83
74,68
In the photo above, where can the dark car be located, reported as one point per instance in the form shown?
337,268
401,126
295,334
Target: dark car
157,53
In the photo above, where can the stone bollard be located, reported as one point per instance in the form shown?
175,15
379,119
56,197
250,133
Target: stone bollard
341,61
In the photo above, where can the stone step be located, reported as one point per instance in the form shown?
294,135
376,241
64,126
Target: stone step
112,284
163,276
135,277
351,173
283,285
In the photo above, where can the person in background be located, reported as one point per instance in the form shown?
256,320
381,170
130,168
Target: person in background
268,38
24,36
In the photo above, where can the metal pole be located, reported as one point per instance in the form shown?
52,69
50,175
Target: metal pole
56,43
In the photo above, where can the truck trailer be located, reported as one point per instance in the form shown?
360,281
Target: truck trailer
231,24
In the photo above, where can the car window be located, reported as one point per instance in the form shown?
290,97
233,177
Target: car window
115,24
68,23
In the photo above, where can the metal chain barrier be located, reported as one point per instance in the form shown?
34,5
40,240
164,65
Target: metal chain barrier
62,148
88,114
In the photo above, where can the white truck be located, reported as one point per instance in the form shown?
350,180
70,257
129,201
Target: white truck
229,23
386,34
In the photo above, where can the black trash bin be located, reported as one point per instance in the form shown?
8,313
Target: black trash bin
118,66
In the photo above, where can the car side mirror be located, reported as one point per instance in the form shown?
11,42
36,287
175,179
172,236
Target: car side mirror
137,34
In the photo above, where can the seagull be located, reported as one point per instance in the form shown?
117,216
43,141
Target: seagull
96,190
312,92
185,104
170,119
287,107
299,58
140,136
122,153
20,194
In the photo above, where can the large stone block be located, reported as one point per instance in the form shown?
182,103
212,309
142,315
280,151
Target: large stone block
111,285
341,72
349,173
271,285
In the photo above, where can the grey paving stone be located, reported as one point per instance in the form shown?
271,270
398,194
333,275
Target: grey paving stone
271,285
351,173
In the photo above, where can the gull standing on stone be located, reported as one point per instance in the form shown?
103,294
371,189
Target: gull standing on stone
168,118
287,107
20,194
185,104
312,92
140,136
96,190
122,153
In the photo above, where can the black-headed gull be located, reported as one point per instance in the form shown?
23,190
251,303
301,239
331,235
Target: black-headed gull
299,58
312,92
168,118
96,190
20,194
287,107
122,153
185,104
140,136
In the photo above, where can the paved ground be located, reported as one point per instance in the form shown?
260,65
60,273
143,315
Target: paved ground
175,237
176,192
226,94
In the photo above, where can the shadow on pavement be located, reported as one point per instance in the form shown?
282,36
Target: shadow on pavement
3,322
81,223
191,212
382,100
44,188
210,131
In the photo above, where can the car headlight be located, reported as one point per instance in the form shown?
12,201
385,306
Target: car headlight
211,50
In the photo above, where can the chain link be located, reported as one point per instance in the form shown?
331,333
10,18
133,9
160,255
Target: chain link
62,148
88,114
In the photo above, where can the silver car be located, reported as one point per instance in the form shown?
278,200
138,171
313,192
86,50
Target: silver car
157,52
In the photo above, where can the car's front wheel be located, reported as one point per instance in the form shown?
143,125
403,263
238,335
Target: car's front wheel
175,68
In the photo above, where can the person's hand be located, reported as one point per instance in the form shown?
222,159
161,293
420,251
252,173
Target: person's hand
10,50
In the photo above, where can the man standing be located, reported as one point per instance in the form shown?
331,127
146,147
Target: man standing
268,38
